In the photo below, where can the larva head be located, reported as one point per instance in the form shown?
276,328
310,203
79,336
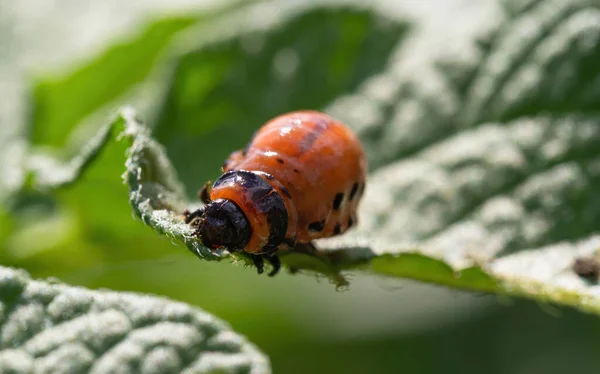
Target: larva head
223,225
259,203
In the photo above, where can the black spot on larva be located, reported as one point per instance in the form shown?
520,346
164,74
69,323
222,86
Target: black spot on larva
286,192
353,191
296,171
337,201
350,221
316,226
337,229
280,160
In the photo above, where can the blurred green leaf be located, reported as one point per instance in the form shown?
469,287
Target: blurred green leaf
50,173
5,225
72,329
62,102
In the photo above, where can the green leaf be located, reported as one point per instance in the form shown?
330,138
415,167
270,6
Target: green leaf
69,329
154,191
483,151
110,75
5,225
61,101
52,173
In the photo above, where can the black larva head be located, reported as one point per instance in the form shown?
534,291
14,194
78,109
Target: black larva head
224,225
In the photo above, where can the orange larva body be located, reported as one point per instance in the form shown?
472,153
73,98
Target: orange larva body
314,168
317,159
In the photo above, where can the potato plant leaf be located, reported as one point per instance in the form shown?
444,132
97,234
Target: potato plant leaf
48,327
158,199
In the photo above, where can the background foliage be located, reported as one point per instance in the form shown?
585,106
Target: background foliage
481,128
